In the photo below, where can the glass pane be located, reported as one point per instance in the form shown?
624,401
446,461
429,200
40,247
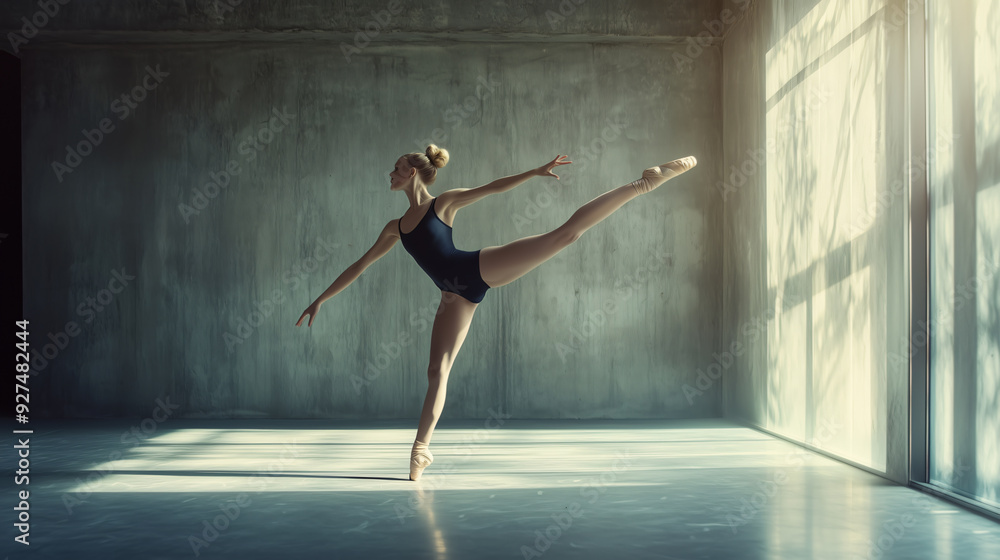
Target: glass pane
964,188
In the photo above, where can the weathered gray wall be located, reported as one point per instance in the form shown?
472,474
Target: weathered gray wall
324,176
815,269
292,20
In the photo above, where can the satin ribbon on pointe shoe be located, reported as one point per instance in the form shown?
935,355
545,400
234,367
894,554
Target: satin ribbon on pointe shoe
656,176
420,459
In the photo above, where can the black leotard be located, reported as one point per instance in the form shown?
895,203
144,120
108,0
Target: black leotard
452,270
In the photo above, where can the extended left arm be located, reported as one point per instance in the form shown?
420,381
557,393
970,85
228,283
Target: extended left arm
504,184
459,198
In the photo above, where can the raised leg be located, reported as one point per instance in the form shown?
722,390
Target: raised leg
451,325
506,263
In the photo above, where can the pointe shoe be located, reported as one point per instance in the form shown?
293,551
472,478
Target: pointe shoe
420,459
656,176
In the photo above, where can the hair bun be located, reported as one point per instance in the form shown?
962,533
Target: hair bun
438,156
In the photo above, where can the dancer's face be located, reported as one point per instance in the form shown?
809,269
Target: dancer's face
400,175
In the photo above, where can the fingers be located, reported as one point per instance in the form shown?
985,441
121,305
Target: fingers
555,162
304,313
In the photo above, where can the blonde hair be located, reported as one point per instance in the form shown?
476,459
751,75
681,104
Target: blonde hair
428,162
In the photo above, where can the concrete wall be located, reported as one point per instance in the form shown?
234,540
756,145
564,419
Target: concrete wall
293,20
312,195
815,226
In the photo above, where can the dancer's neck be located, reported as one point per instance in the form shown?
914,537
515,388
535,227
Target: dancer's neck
418,198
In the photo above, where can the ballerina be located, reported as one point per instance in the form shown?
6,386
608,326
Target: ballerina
464,276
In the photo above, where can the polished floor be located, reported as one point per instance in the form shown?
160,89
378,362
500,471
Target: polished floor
520,489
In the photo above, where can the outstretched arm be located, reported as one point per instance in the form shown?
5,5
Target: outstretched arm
459,198
386,239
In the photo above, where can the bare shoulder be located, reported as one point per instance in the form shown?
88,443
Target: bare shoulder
391,229
445,204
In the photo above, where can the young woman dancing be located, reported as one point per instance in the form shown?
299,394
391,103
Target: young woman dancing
464,276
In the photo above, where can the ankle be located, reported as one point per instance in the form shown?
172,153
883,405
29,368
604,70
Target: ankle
643,186
420,459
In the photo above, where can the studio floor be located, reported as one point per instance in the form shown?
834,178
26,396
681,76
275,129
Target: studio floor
520,489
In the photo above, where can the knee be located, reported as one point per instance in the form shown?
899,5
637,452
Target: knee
566,237
438,372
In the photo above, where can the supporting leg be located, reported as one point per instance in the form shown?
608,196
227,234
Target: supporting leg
451,325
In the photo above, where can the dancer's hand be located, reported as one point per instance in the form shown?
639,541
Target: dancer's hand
546,170
311,311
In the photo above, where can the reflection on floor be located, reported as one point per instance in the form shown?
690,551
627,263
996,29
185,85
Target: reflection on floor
523,489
